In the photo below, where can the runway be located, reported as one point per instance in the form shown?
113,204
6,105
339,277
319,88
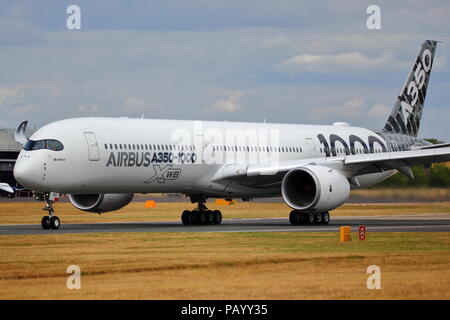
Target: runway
416,223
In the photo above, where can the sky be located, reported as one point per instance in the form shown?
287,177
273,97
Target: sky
287,61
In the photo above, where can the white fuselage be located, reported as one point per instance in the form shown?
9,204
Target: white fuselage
123,155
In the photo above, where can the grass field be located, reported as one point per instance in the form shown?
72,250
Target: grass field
225,266
30,212
260,265
403,194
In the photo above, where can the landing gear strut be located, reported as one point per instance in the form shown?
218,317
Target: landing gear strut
51,221
201,215
301,217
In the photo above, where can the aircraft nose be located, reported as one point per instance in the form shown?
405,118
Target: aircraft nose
24,173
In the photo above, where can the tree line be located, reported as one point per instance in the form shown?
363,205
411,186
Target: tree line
437,176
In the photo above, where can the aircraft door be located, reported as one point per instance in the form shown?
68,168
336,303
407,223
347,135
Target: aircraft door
310,147
91,140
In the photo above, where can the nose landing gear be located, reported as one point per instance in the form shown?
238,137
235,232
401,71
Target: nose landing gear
51,221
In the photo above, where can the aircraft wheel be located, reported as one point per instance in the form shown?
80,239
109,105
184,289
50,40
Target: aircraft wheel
195,217
202,218
54,222
309,217
318,218
186,217
325,217
217,217
295,218
209,217
45,222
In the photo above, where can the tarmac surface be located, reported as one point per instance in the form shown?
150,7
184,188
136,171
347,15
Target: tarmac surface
409,223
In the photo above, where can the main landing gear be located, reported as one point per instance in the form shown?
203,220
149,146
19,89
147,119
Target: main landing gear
301,217
201,216
51,221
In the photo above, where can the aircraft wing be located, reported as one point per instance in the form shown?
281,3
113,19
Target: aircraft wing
400,160
349,165
433,146
6,187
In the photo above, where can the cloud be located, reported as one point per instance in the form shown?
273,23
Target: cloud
10,95
440,63
137,104
276,41
192,60
229,105
15,32
352,108
25,109
379,111
334,63
93,108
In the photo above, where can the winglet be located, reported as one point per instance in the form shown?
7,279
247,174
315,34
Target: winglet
19,135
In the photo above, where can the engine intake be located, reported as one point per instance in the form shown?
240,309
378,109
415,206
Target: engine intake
315,188
99,203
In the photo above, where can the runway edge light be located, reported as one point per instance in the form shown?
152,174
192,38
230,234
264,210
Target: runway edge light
344,234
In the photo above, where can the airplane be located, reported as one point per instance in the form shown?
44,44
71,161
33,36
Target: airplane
10,191
5,187
101,162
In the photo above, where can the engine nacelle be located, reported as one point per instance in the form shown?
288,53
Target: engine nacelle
99,203
315,188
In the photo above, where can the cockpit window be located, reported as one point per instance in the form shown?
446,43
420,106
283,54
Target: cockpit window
54,145
49,144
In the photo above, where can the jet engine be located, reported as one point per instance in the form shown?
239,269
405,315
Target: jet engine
99,203
315,188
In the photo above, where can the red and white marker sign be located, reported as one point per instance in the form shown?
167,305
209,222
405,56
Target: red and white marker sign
362,232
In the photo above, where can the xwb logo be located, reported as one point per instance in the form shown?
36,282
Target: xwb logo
164,173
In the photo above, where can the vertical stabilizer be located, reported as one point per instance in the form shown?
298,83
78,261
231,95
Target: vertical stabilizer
407,112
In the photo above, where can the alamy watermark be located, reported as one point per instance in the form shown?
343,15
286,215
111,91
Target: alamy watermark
74,280
374,280
373,22
73,21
